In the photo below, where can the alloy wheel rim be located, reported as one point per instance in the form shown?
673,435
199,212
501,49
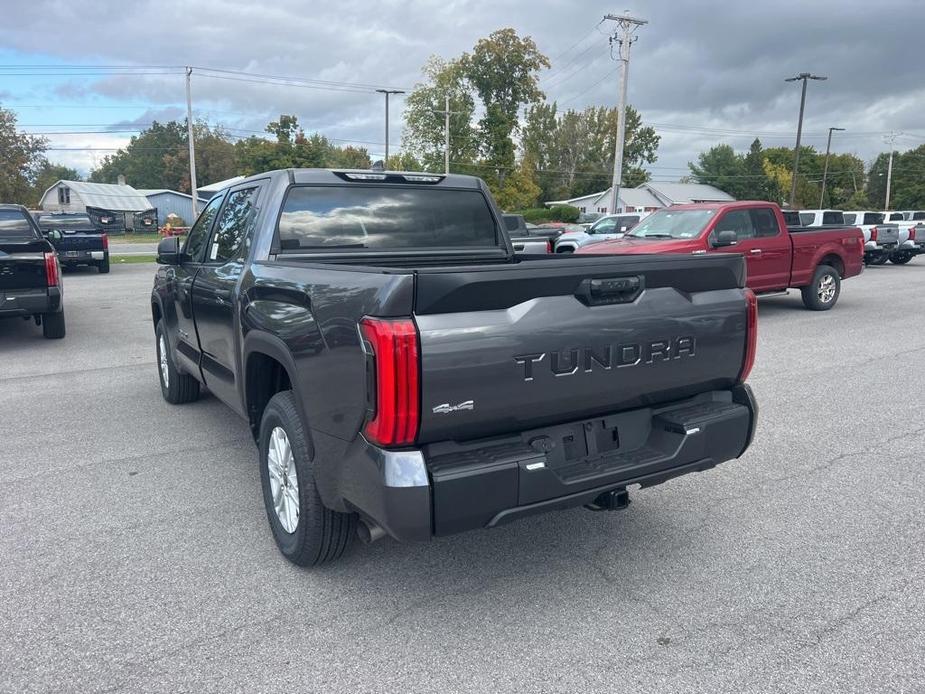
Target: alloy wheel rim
284,483
162,358
826,289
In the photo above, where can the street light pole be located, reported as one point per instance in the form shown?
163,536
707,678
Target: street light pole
387,92
194,193
891,140
804,77
825,170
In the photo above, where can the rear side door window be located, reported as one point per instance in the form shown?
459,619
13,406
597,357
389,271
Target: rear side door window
850,218
235,226
739,221
833,218
765,222
199,234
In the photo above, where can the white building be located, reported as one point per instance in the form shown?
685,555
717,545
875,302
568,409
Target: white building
646,198
116,202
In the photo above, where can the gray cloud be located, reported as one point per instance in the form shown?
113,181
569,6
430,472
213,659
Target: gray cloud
705,64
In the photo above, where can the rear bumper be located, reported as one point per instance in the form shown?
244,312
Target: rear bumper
27,302
449,488
915,247
82,257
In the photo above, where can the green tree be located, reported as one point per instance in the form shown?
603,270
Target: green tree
503,70
907,186
215,159
350,157
519,189
46,176
424,134
574,150
142,160
721,167
22,157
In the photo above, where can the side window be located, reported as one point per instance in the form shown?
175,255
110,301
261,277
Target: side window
850,218
232,236
199,234
807,219
833,218
604,227
765,222
739,221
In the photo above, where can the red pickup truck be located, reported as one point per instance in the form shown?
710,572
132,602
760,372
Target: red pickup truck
815,261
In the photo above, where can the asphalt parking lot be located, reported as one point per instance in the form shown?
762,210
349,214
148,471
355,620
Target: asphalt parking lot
136,554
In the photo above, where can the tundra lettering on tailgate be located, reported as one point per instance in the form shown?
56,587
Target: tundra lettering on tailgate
567,362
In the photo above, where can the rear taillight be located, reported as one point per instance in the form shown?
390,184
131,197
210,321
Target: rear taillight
392,351
51,269
549,245
751,334
912,233
873,234
105,242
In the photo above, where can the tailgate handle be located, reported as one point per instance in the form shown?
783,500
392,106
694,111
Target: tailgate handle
610,290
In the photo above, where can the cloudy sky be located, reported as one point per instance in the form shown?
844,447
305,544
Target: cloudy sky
702,71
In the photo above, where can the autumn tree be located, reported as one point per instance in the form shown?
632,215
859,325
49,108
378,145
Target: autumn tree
503,70
424,135
22,157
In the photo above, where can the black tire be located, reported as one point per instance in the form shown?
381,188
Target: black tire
103,266
320,534
180,387
825,277
879,259
901,257
53,325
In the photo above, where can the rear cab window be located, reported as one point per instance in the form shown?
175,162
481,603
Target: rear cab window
850,217
833,218
15,224
873,218
385,218
807,218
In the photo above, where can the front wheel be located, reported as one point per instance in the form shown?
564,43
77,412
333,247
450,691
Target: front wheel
901,258
822,293
177,388
306,531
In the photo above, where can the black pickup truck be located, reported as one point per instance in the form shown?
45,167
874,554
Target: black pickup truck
30,278
75,238
403,372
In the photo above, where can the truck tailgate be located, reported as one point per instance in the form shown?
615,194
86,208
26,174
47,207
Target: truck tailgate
504,349
22,264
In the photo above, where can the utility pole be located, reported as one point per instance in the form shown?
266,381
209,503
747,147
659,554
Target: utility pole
890,140
387,92
624,37
804,76
825,170
192,147
446,113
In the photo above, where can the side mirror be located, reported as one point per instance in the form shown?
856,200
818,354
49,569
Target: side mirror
168,251
53,235
725,238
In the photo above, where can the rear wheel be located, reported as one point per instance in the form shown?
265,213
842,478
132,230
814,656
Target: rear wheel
177,388
901,258
822,293
53,325
103,266
879,259
306,531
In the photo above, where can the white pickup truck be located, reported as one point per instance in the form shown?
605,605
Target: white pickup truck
880,238
911,224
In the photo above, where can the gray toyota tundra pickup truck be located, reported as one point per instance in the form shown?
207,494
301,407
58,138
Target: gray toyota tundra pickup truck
405,373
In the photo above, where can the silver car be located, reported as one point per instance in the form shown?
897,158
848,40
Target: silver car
612,226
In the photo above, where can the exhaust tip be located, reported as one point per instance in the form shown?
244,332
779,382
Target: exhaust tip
369,532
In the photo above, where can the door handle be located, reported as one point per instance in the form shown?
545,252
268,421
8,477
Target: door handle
755,251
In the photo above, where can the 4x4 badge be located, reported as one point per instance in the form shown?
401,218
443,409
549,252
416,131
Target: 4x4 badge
446,407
